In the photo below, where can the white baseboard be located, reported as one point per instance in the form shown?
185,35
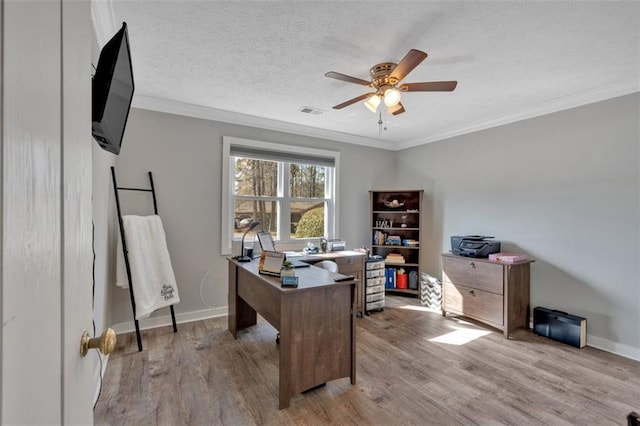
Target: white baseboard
145,324
165,320
613,347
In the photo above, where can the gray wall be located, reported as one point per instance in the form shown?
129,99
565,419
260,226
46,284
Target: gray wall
185,157
562,188
104,217
104,222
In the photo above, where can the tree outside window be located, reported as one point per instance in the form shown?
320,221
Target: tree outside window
260,194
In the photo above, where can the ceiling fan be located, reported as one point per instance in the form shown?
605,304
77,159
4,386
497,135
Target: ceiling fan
385,78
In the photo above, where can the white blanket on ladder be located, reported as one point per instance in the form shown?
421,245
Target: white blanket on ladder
154,283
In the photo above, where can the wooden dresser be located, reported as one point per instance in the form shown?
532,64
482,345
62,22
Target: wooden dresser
493,293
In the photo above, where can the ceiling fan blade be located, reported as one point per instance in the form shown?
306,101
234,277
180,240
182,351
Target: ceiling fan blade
432,86
353,101
347,78
397,109
407,64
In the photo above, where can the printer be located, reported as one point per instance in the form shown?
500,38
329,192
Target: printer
474,246
336,245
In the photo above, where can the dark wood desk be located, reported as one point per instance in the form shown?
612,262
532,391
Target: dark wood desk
316,322
349,263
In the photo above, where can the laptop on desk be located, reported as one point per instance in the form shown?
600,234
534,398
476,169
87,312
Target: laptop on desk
267,244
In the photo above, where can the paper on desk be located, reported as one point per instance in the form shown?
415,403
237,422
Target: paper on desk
290,254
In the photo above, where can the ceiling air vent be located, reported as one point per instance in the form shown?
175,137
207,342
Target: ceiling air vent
310,110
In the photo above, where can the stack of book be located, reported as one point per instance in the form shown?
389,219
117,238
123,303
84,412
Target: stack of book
408,242
393,240
394,258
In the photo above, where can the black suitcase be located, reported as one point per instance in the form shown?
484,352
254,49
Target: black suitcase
560,326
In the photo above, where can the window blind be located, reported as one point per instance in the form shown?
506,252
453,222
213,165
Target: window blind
257,153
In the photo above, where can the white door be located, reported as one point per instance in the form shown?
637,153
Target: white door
46,257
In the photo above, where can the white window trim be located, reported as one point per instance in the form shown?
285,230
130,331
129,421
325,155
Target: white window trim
226,233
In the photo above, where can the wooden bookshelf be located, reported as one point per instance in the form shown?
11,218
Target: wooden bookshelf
396,235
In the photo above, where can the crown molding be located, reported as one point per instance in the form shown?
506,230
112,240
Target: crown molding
615,90
105,26
622,88
198,111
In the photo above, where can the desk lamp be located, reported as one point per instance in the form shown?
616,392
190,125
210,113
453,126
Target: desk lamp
243,257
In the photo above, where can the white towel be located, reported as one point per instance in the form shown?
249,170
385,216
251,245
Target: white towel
154,283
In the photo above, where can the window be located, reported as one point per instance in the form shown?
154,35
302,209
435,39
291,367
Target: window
291,194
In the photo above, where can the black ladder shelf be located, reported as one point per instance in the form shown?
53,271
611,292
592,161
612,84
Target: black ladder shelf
116,188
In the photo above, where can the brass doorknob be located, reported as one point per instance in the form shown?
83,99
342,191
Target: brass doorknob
105,343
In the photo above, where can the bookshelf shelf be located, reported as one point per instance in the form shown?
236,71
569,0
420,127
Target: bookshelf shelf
399,247
395,217
403,291
393,211
396,229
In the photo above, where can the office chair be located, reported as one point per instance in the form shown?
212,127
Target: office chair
329,265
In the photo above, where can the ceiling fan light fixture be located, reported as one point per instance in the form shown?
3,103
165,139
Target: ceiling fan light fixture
372,103
386,78
392,97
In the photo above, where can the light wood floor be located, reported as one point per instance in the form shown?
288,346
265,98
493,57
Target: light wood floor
408,372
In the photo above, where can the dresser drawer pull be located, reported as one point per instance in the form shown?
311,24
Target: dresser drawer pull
473,265
471,292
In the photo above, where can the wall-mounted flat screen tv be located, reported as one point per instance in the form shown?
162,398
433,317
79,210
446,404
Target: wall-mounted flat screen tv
112,92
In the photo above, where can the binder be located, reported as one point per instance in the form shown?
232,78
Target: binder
390,274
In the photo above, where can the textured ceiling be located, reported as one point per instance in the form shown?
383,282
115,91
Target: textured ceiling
259,62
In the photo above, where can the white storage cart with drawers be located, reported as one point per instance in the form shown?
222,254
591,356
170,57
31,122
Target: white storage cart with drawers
374,285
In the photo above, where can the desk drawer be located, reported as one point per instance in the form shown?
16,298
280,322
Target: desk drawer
477,274
347,265
475,303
